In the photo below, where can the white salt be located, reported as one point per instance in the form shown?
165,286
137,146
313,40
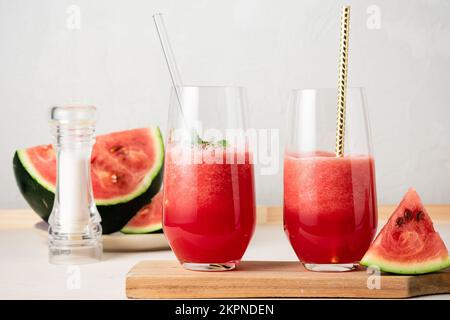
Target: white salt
73,183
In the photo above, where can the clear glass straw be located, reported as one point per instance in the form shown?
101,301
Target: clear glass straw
173,69
170,57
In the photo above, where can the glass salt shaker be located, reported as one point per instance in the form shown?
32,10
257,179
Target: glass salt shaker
74,224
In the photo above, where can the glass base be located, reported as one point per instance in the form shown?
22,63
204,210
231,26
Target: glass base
75,254
80,245
331,267
227,266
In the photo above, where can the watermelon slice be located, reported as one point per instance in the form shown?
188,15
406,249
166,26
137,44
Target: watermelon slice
148,219
408,243
126,171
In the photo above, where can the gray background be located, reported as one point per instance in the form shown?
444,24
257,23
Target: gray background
114,61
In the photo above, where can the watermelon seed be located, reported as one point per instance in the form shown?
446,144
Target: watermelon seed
119,149
419,216
408,215
114,178
399,221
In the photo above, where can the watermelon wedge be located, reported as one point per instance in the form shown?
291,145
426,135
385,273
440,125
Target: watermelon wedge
408,243
148,219
126,172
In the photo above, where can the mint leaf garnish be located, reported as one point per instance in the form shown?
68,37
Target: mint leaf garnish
222,143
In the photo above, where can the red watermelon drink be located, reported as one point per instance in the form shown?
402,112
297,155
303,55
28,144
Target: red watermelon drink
209,208
330,210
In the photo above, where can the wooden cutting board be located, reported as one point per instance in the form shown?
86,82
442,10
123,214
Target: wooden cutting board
274,279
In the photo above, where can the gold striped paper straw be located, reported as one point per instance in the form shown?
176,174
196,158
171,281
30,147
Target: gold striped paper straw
342,85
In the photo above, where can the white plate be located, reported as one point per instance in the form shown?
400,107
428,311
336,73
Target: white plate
118,241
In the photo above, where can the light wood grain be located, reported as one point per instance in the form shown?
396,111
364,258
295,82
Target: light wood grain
18,219
272,215
272,279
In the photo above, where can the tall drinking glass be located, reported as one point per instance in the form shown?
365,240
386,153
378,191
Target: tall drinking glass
209,197
330,206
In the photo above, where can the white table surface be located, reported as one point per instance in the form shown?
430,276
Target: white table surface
26,274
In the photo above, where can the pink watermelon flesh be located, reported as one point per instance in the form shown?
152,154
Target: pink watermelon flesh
408,243
116,171
148,219
126,171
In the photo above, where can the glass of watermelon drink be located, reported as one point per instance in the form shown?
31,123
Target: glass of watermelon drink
209,197
330,207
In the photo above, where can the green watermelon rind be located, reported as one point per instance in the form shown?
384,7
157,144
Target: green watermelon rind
115,213
37,196
407,267
140,230
25,161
